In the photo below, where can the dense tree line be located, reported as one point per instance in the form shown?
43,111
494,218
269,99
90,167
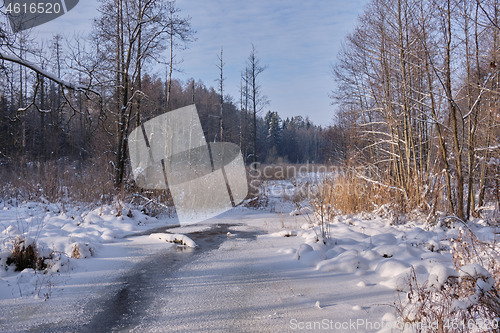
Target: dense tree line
77,99
418,93
79,134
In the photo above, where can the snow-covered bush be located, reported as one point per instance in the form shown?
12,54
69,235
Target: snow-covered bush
81,250
25,255
462,300
257,196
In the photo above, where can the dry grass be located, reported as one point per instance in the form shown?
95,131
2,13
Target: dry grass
88,182
25,256
347,194
257,196
468,249
60,181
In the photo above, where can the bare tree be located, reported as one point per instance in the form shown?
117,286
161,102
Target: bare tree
220,66
136,32
180,32
420,117
258,100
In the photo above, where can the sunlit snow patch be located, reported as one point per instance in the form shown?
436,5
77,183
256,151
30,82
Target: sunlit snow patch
174,238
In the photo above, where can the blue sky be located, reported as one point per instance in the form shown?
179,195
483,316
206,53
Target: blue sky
297,40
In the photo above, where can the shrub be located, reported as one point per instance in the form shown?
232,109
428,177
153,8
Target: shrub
90,181
349,194
25,255
464,301
257,196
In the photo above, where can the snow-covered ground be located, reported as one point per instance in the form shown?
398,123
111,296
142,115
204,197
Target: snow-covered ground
253,270
74,239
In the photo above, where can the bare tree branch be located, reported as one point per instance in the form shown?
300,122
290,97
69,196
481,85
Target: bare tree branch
41,71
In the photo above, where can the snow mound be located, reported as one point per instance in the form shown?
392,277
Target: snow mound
284,233
387,251
391,268
371,255
303,248
348,262
361,284
398,282
439,274
382,239
174,238
80,250
474,271
332,253
312,258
